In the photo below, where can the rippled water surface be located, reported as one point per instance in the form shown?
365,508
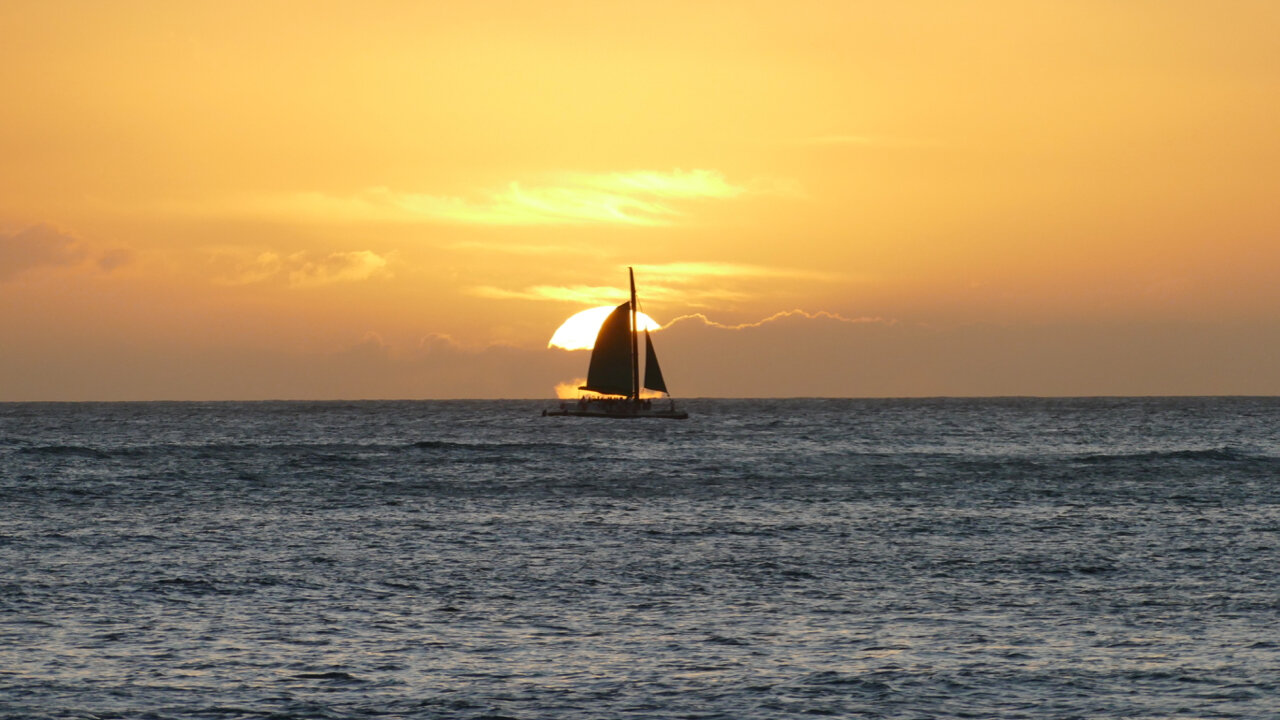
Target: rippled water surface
763,559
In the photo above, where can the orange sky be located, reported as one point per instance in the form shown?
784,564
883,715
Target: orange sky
402,199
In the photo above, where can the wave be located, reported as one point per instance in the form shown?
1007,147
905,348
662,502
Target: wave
447,445
304,453
332,675
1226,453
337,450
65,451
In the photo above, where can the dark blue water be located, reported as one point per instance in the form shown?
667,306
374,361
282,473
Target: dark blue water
763,559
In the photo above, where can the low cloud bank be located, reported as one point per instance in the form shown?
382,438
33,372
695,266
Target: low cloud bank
435,368
789,355
37,246
822,355
43,247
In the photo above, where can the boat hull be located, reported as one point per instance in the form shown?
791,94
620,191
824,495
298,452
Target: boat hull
616,409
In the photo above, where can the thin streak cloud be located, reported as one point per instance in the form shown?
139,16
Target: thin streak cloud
607,295
780,316
641,198
688,271
675,184
671,282
585,294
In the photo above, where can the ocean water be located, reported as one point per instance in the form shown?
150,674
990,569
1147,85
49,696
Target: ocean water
1017,558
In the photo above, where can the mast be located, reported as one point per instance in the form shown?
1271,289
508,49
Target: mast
635,345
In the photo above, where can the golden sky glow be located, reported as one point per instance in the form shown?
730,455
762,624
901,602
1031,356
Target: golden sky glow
390,199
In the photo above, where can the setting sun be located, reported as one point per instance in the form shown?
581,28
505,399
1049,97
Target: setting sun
579,332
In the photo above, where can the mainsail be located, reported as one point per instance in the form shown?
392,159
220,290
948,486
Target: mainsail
652,373
610,370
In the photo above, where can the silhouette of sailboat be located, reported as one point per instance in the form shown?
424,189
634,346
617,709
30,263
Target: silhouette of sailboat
613,377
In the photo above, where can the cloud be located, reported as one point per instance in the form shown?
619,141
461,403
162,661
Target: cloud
584,294
675,184
368,367
790,354
690,271
572,205
606,295
642,198
821,354
300,269
115,258
336,267
783,315
36,246
259,268
683,282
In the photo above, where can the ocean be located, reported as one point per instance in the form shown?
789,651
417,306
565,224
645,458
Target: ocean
933,558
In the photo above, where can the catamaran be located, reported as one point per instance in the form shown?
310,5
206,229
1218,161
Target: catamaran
613,386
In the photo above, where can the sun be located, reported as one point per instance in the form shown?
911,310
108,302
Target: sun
579,332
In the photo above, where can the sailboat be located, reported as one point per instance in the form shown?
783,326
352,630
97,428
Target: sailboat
613,378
